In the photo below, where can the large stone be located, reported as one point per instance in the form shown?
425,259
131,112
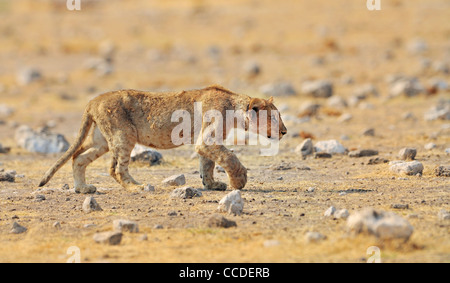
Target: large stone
320,88
232,203
17,229
123,225
109,237
90,205
407,87
7,177
408,168
185,193
175,180
278,89
145,154
382,224
305,148
330,146
407,153
41,142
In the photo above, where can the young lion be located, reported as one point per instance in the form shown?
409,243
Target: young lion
117,121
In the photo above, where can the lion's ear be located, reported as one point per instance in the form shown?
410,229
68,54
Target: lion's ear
270,100
256,104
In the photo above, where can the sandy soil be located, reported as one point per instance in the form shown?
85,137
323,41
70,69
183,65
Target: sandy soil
176,45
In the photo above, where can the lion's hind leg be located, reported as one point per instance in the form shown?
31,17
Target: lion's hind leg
95,147
120,162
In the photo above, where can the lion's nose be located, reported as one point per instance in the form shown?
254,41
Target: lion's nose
283,132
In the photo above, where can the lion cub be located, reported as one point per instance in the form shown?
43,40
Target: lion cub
117,121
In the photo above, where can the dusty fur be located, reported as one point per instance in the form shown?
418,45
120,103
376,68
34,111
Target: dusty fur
117,121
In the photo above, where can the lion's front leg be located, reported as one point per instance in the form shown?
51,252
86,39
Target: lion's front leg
237,173
207,175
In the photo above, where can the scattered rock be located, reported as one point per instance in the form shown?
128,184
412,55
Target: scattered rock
406,86
232,203
408,168
5,111
400,206
220,221
7,177
252,69
345,117
407,153
56,225
109,237
364,91
310,189
4,149
158,226
90,204
145,154
377,160
382,224
430,146
417,46
341,214
439,112
122,225
330,211
336,102
362,153
17,228
314,237
322,155
305,148
320,88
330,146
28,75
41,142
39,198
185,193
271,243
369,132
278,89
149,188
440,171
172,213
175,180
443,215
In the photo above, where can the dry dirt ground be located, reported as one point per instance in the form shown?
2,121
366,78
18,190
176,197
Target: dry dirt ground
176,45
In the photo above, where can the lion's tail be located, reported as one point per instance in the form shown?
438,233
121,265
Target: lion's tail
86,124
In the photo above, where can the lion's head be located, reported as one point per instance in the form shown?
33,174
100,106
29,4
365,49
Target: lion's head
264,114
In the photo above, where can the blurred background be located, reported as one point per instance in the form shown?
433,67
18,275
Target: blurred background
53,60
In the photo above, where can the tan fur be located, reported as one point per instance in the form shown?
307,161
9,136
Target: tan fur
121,119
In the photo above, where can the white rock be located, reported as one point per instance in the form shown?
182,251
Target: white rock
305,148
232,203
330,146
28,75
313,237
175,180
330,211
17,229
109,237
185,192
123,225
42,142
320,88
406,86
5,111
90,204
430,146
407,153
341,214
384,225
443,215
345,117
408,168
438,112
278,89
